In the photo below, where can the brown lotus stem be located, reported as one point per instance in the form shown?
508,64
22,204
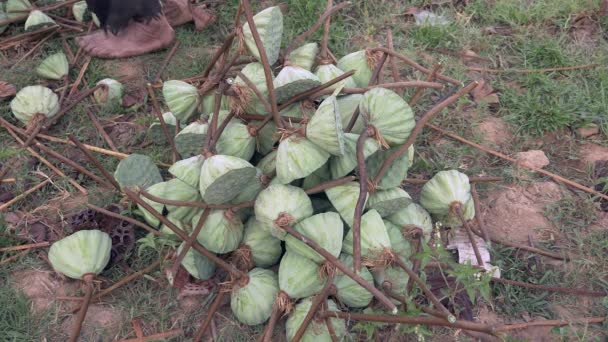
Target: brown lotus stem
378,70
26,246
457,209
395,85
166,62
416,65
209,316
96,162
80,76
122,282
567,290
163,124
301,38
329,184
430,78
182,235
343,268
555,177
100,129
88,281
189,241
316,303
551,323
272,321
471,180
156,337
430,295
314,91
360,201
256,91
353,120
329,324
217,101
25,194
418,128
478,218
431,321
528,71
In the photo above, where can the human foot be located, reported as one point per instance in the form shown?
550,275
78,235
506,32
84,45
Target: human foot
137,39
177,12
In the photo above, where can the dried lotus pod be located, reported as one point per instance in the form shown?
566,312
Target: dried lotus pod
293,80
325,229
33,104
280,205
110,93
387,202
223,177
181,98
269,24
317,329
137,171
297,158
304,56
252,301
54,67
391,117
37,20
443,190
84,252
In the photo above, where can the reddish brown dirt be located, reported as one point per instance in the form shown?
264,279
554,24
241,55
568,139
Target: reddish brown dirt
494,131
590,153
42,287
517,212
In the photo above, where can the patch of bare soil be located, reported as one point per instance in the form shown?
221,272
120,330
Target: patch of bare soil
517,212
100,323
591,153
494,131
127,71
42,287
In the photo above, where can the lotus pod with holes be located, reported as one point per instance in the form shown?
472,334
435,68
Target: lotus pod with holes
362,62
156,134
348,291
16,8
412,216
269,24
387,202
444,189
299,276
317,330
188,170
84,252
176,190
252,302
389,114
394,276
399,243
341,166
33,101
344,198
374,237
110,93
137,171
304,56
181,98
325,127
347,105
54,67
198,265
265,249
236,140
297,158
282,204
325,229
320,175
255,73
293,80
190,140
452,219
37,20
222,232
223,177
328,72
396,172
